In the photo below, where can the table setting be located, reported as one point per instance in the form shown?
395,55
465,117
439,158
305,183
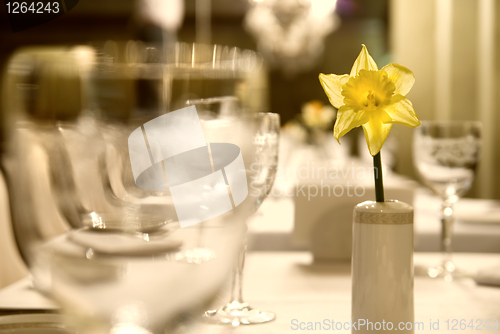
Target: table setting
140,192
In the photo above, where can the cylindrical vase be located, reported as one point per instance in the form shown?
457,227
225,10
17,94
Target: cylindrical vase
382,268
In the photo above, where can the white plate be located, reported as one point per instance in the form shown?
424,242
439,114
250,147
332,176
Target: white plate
33,324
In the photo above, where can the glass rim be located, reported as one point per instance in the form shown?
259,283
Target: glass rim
271,116
264,113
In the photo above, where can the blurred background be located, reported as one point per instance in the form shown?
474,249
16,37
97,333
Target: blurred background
451,46
74,88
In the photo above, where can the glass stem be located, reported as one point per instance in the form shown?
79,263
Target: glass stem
237,286
446,233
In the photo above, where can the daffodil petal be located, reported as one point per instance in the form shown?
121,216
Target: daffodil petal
348,119
401,112
332,84
401,76
376,133
363,62
381,115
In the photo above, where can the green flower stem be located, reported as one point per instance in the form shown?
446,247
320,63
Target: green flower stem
379,184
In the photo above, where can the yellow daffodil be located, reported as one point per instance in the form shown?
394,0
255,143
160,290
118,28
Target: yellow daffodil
317,116
371,98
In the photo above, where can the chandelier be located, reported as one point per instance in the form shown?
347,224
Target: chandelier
290,33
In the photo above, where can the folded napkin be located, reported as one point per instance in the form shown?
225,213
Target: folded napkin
488,276
119,243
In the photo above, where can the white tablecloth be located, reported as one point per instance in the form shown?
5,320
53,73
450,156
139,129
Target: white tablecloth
288,284
293,287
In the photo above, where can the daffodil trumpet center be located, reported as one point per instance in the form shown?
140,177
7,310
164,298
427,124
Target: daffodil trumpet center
371,100
369,90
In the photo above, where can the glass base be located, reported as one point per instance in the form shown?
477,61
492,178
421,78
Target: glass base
236,313
448,271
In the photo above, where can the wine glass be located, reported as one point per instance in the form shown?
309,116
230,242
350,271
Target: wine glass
262,172
210,78
446,154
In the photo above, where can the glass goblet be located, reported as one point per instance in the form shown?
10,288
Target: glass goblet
263,142
446,154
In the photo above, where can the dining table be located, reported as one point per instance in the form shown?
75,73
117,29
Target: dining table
308,296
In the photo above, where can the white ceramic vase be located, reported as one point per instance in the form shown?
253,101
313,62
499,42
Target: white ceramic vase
382,267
